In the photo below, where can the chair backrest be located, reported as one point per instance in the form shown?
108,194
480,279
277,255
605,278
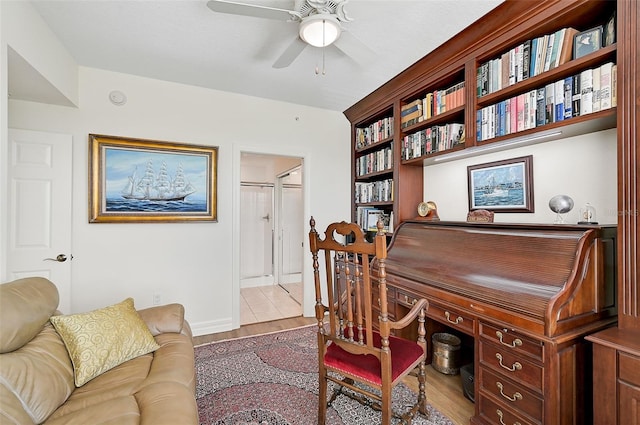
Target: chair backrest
344,279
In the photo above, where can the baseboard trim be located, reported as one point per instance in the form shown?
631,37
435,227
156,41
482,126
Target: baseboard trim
211,327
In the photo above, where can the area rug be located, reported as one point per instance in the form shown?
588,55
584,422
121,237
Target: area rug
272,379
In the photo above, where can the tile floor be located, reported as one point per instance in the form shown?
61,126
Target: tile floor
266,303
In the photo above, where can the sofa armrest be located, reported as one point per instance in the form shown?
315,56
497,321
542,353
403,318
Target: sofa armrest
165,318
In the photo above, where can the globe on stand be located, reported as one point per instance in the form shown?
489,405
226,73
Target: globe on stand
560,204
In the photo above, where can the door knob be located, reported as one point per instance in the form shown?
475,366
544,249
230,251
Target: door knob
61,258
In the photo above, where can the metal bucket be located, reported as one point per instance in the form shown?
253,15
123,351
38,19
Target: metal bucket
446,353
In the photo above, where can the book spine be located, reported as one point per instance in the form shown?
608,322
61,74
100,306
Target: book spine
558,102
520,112
533,55
568,97
586,92
540,106
526,59
512,66
567,46
596,90
576,95
547,56
614,86
549,98
533,105
605,85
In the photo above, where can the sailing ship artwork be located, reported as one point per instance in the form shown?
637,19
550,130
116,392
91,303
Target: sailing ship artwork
147,181
504,187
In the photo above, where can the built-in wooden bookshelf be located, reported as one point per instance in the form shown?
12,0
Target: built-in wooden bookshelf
438,103
512,24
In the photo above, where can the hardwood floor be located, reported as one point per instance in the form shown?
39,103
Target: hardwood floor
444,392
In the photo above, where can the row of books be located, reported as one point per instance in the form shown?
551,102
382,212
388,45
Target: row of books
373,162
376,132
377,191
526,60
590,91
432,139
432,104
368,217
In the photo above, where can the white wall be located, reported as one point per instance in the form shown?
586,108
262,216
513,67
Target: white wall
189,263
27,34
583,167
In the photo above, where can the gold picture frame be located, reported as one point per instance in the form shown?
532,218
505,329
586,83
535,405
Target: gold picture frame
150,181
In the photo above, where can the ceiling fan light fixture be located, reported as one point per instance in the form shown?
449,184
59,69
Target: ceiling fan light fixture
320,30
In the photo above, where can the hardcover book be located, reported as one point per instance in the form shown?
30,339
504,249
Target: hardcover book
549,106
586,92
558,91
576,96
605,85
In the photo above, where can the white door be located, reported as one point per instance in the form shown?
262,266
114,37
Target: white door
39,208
291,248
256,235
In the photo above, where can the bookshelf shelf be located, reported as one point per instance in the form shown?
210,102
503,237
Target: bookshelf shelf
374,146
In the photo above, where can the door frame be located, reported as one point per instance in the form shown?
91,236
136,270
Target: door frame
307,305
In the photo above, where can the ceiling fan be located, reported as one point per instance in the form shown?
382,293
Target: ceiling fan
319,25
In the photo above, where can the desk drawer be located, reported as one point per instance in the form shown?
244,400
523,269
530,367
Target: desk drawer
511,394
512,341
451,317
496,414
509,364
629,369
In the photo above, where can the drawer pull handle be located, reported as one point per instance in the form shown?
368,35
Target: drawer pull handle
516,342
513,368
455,322
516,396
499,412
406,300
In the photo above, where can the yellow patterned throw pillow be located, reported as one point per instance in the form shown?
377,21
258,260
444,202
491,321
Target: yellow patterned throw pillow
102,339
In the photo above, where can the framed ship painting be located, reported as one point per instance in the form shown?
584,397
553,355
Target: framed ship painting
502,186
142,181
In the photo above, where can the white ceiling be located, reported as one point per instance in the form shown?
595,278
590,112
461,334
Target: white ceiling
184,41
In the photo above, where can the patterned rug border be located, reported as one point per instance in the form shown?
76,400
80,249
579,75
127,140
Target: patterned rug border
255,336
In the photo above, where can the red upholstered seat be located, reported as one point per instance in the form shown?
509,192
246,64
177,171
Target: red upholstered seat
404,354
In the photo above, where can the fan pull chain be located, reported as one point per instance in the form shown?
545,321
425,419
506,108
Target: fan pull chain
323,48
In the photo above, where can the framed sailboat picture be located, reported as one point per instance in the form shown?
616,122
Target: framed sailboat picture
502,186
137,180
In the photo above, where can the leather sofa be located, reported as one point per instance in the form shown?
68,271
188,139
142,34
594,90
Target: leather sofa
37,373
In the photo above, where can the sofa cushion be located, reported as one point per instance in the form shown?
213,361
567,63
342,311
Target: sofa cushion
25,307
35,379
102,339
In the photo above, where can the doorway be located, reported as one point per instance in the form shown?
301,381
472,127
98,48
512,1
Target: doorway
271,227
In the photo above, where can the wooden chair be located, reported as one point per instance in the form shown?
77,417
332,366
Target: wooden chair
356,349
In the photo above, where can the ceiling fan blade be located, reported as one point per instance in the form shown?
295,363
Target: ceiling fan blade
354,48
235,8
289,55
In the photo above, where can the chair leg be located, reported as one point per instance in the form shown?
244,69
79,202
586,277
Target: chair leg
322,396
422,397
387,411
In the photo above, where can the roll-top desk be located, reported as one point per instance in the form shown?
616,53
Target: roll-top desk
525,295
